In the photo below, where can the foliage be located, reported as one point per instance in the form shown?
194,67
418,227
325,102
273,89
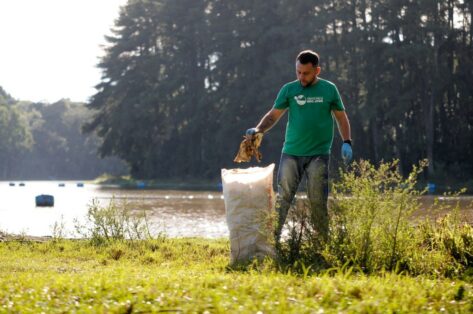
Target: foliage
5,98
445,247
301,250
115,221
183,80
190,275
61,150
58,230
44,141
15,137
371,215
373,228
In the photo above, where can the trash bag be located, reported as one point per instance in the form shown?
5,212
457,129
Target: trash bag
249,205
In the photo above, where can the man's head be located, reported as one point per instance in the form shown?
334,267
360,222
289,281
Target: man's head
307,67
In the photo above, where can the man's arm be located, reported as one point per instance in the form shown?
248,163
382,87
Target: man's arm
269,120
343,124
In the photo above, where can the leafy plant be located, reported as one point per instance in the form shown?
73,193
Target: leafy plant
113,222
58,229
371,215
374,229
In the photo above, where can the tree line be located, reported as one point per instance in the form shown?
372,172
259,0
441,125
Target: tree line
182,80
41,141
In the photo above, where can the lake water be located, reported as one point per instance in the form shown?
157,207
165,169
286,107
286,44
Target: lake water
175,213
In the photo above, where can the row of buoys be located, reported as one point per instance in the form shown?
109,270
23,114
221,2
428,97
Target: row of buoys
45,200
79,184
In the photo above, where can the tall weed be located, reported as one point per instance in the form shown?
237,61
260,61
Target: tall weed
302,247
58,230
373,229
115,221
445,246
371,212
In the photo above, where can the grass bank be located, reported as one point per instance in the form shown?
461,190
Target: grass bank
192,276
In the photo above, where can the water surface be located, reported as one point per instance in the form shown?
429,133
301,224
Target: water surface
175,213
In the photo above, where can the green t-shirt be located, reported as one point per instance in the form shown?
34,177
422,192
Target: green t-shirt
309,128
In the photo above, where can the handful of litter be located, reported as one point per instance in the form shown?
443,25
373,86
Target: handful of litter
249,148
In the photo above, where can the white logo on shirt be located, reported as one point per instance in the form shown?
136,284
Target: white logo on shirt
302,100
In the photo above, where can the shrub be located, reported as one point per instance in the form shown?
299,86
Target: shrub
113,222
302,246
371,215
58,230
372,227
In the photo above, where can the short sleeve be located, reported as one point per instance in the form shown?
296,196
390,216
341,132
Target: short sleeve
281,101
337,103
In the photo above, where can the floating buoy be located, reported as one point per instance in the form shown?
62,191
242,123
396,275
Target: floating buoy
44,200
80,185
11,184
21,184
61,185
431,188
140,185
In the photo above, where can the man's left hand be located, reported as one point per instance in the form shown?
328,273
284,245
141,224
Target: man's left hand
347,152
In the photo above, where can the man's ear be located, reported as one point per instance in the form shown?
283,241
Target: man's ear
317,70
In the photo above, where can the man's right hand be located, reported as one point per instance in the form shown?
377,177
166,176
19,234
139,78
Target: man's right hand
251,132
249,146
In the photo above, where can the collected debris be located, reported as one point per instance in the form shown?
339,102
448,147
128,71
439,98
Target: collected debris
250,148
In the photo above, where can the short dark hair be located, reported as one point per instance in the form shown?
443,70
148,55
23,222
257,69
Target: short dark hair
308,56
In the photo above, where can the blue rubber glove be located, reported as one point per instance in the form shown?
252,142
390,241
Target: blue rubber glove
347,153
251,131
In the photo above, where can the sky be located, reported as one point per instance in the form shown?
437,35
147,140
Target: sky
49,49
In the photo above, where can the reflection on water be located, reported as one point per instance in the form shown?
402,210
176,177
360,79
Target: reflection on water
175,213
444,205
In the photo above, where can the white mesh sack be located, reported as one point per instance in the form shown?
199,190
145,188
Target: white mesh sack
249,205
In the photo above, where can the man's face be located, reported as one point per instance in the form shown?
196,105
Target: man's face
306,73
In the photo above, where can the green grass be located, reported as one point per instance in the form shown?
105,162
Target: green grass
192,275
430,262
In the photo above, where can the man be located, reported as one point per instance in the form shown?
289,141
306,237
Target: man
312,103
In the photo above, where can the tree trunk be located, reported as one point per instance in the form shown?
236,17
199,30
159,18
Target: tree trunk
374,138
429,117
